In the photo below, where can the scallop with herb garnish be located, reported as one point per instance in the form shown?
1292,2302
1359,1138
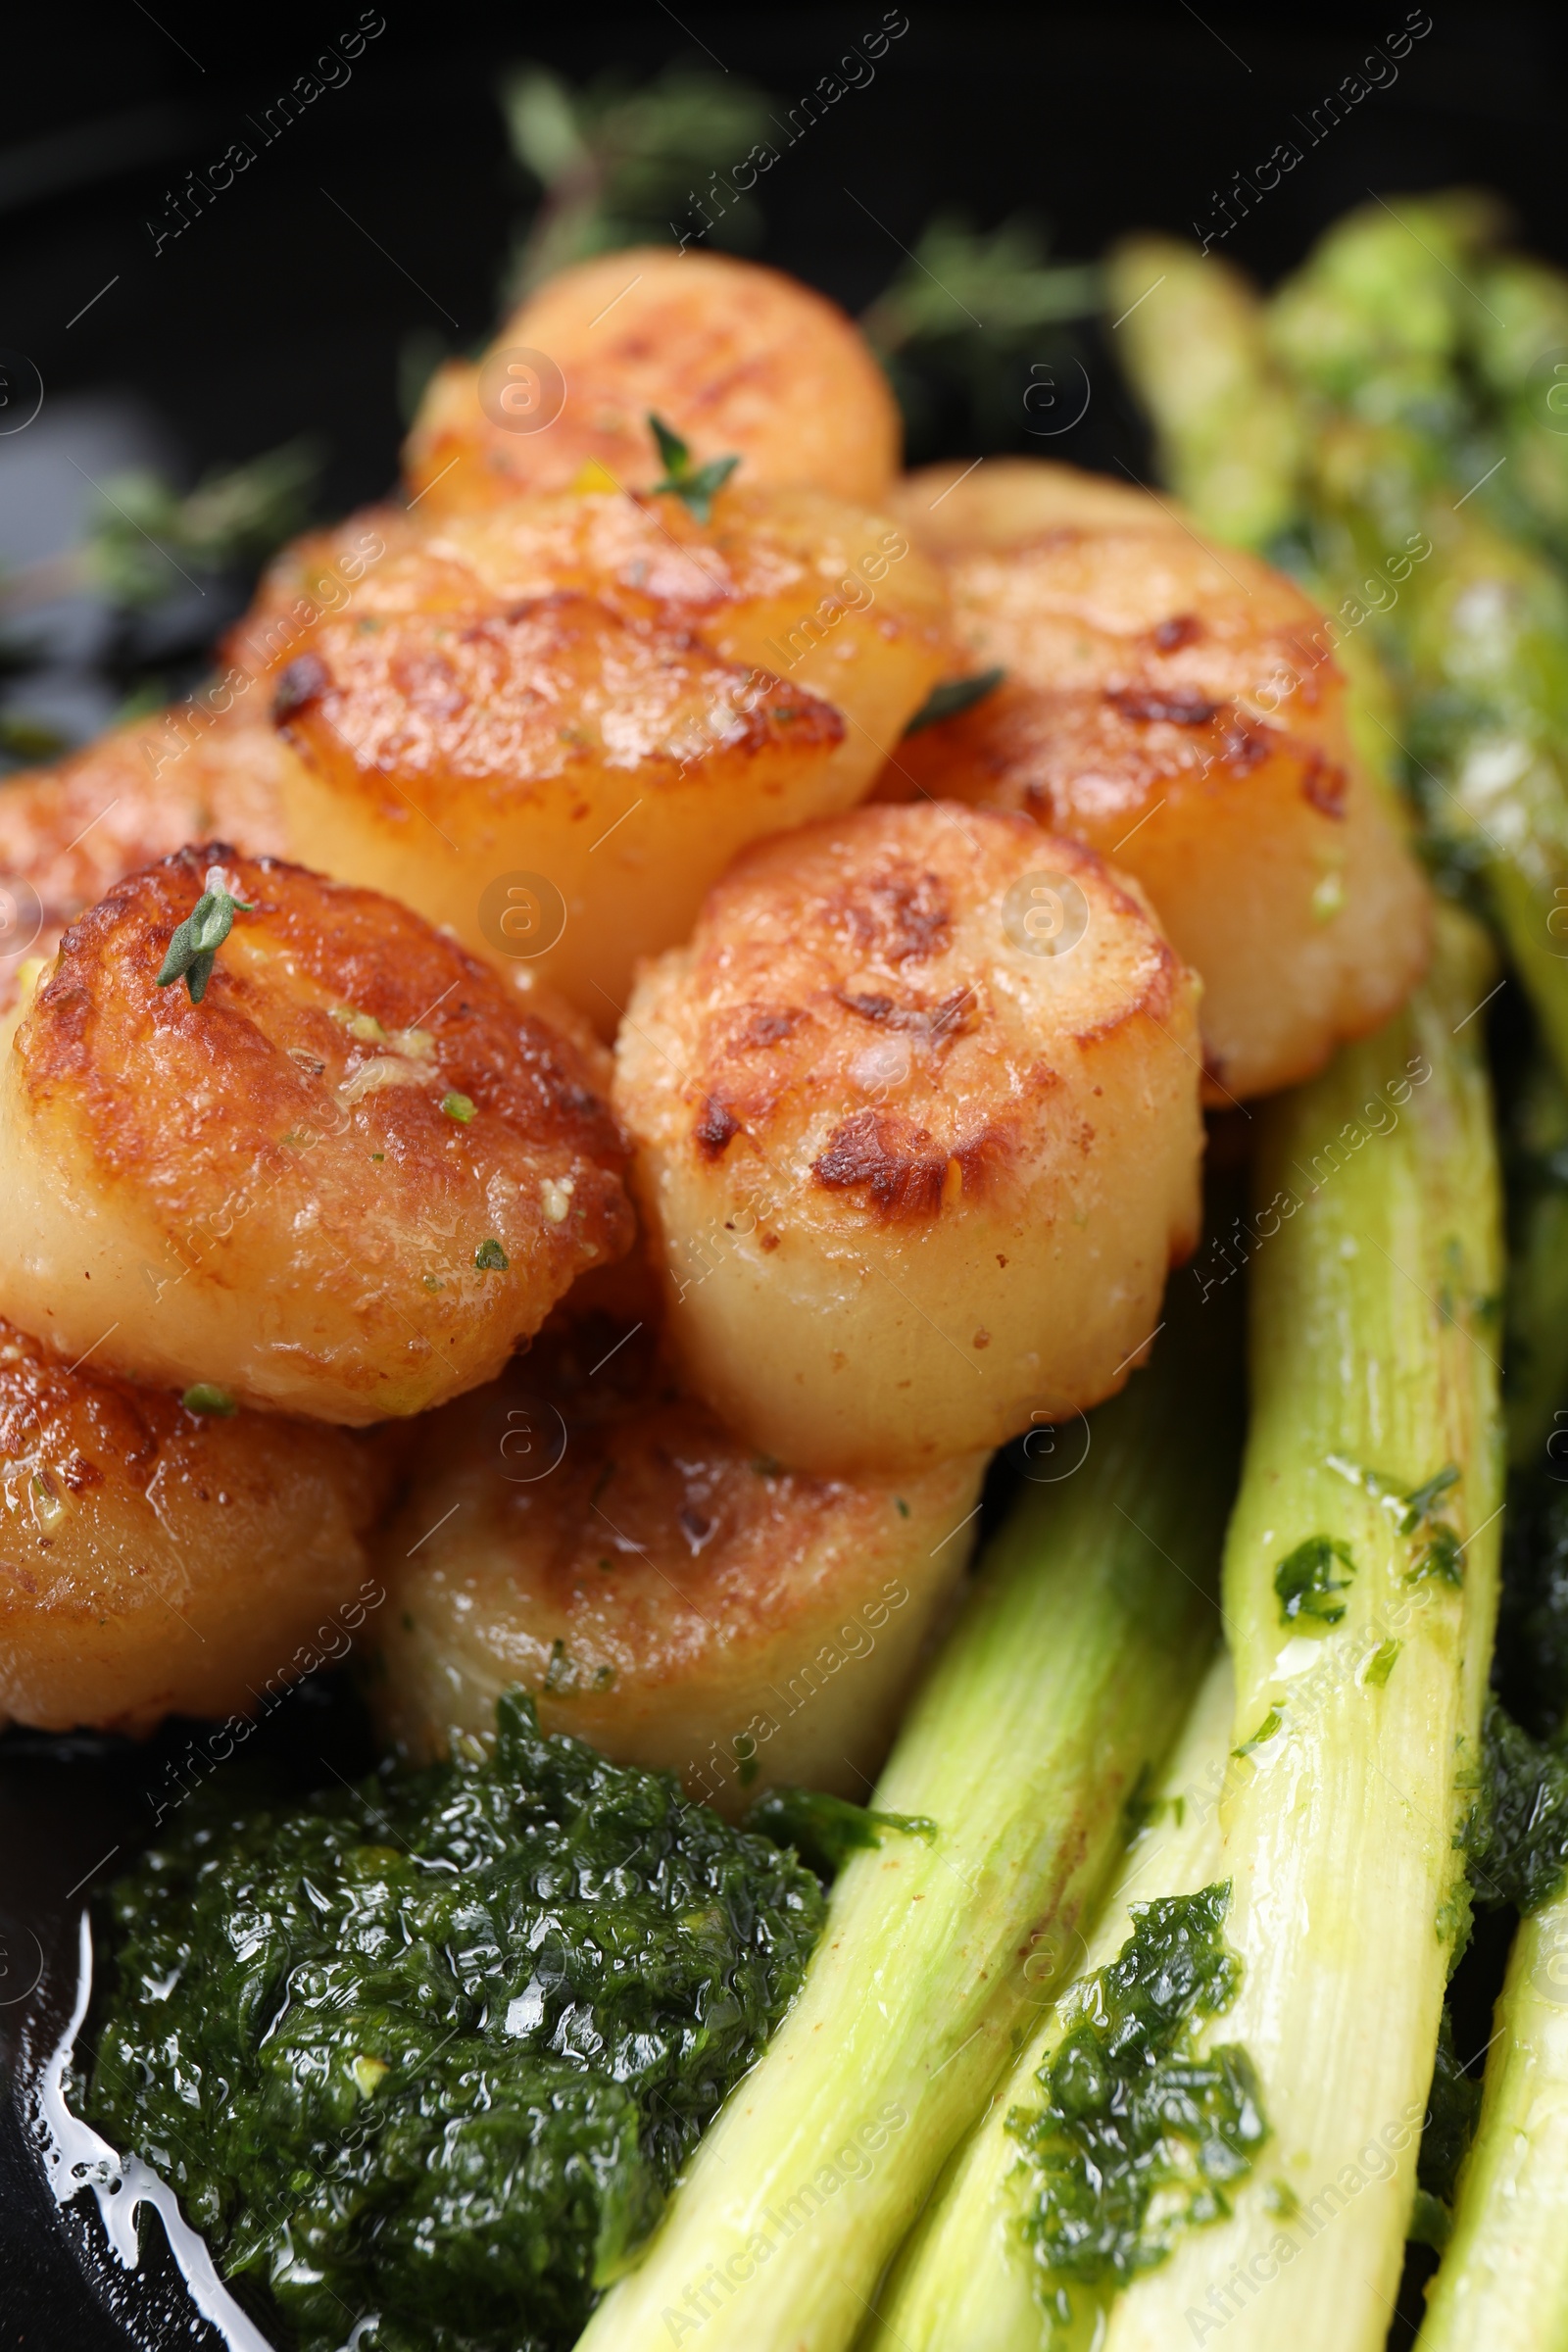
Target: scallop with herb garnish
69,832
740,358
552,725
267,1132
166,1557
661,1587
1178,707
917,1126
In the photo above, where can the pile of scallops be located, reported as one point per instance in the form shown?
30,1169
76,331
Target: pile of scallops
657,1120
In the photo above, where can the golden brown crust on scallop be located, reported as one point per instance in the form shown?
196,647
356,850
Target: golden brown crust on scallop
957,505
917,1129
603,698
737,359
427,712
154,1560
1177,707
663,1590
311,1156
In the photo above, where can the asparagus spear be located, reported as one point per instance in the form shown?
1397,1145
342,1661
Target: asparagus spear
1519,338
968,2275
1475,624
1191,332
1063,1681
1502,2284
1503,2281
1360,1587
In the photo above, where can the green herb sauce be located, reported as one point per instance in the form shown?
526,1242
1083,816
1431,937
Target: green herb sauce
827,1830
1139,2136
1452,2106
434,2047
1517,1839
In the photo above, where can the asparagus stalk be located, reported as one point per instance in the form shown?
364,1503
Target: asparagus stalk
967,2276
1502,2285
1360,1589
1475,623
1191,332
1065,1680
1503,2281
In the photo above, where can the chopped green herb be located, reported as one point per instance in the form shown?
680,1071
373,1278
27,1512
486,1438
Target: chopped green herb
1419,1501
1140,2137
696,486
1264,1731
206,1397
1443,1557
952,694
561,1964
1307,1584
458,1106
825,1831
1517,1839
194,944
1380,1665
901,1506
490,1258
559,1673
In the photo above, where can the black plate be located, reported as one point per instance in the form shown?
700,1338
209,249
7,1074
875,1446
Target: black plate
387,213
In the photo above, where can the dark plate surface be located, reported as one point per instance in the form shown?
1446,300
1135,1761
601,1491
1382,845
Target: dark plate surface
385,215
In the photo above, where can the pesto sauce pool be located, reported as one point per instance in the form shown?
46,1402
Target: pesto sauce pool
434,2047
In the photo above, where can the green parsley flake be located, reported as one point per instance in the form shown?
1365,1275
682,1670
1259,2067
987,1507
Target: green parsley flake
205,1397
458,1106
1263,1733
1307,1584
490,1258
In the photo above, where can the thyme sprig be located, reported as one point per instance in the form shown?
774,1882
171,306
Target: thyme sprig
193,949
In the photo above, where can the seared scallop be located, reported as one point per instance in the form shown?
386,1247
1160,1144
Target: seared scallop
344,1181
155,1560
916,1130
738,360
550,726
69,832
663,1590
1179,709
